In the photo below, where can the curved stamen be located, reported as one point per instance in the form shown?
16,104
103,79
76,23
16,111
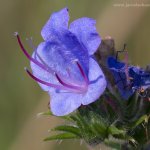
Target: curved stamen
83,73
64,83
30,58
50,84
41,81
45,67
69,85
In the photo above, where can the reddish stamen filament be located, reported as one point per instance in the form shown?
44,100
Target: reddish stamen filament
68,85
30,58
52,85
83,73
41,81
45,67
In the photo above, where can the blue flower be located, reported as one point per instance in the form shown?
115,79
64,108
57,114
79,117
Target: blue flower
63,64
139,78
128,78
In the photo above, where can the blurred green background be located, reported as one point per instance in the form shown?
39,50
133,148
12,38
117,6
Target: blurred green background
20,97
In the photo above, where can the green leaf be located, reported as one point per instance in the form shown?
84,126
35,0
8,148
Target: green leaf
132,107
77,121
62,136
115,131
48,113
100,129
70,129
140,120
68,118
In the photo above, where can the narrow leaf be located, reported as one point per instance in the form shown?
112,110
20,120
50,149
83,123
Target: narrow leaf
115,131
61,136
70,129
48,113
140,120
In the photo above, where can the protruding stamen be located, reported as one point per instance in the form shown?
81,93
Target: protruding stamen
15,33
29,57
45,67
83,73
68,85
44,82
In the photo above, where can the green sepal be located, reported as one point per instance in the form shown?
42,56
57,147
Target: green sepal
62,136
112,130
143,118
69,129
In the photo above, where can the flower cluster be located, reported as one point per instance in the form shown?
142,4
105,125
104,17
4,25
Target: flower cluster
129,78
